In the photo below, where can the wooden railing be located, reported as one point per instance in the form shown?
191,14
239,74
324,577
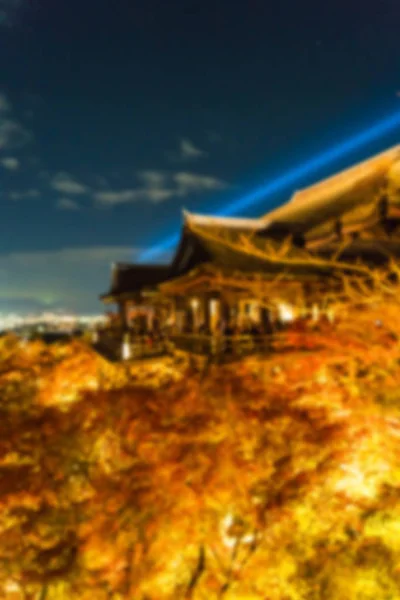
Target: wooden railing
238,345
131,347
118,346
144,347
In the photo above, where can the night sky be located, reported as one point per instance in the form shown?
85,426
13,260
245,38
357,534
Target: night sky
114,115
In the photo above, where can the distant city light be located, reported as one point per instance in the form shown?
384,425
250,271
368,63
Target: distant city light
60,321
289,178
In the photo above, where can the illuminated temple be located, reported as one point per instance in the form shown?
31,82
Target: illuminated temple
247,273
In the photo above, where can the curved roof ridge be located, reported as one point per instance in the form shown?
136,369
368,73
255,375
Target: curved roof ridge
336,188
215,221
337,184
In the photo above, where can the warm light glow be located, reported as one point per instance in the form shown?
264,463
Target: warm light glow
254,310
126,350
13,590
213,307
194,303
315,312
322,377
286,312
330,313
229,540
361,480
353,482
227,522
12,586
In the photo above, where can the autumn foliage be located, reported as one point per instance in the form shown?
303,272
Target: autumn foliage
273,478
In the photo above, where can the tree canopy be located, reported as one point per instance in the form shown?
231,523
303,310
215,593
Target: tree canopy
275,478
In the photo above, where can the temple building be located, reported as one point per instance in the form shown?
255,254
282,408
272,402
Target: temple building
240,271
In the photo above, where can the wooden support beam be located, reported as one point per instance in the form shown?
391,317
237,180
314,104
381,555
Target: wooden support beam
207,313
225,310
123,314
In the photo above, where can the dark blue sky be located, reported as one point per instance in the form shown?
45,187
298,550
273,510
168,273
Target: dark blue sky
116,114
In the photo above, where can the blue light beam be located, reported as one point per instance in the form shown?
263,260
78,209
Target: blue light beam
289,178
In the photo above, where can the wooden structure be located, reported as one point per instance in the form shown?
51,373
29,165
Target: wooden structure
134,289
231,274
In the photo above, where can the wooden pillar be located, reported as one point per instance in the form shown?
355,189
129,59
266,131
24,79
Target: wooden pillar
123,314
225,311
254,311
195,308
265,318
207,314
188,320
215,312
240,314
307,295
234,313
170,317
179,312
149,319
159,318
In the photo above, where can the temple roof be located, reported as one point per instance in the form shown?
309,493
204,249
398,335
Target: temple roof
237,251
376,252
206,240
353,215
351,201
350,196
128,279
194,219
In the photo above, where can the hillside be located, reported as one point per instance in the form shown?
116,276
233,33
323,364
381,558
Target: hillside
276,477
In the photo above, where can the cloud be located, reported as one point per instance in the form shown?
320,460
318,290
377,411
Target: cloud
92,254
189,151
117,197
154,188
70,278
159,186
67,204
32,193
10,163
13,135
133,195
66,184
188,183
5,105
153,179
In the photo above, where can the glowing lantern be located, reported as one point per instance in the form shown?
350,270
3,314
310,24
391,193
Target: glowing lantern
330,313
194,303
286,312
126,348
